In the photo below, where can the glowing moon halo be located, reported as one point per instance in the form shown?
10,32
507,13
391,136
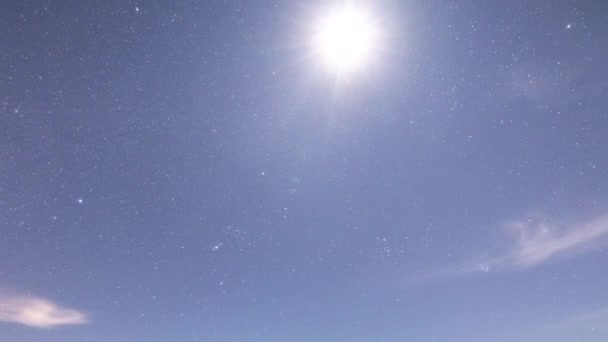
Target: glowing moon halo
345,39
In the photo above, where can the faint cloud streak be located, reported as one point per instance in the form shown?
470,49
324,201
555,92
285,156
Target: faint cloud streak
37,312
539,243
591,321
531,244
586,326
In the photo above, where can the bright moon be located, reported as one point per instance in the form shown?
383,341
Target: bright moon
345,39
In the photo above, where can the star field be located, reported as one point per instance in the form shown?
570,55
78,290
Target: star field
194,171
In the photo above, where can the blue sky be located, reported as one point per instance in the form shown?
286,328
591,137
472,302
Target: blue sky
200,171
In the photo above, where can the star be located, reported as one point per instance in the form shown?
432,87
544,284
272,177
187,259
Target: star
345,38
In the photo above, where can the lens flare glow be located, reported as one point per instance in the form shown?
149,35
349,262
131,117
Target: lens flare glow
346,39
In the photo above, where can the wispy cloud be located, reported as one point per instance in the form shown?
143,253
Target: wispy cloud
585,326
37,312
529,243
590,321
537,243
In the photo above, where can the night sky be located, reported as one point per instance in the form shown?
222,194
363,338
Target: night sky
198,171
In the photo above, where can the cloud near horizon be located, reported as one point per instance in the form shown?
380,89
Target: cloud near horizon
37,312
591,325
590,321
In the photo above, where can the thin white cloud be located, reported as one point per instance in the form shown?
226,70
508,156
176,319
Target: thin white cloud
529,243
539,243
37,312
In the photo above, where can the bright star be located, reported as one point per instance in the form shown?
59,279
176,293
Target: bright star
346,39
